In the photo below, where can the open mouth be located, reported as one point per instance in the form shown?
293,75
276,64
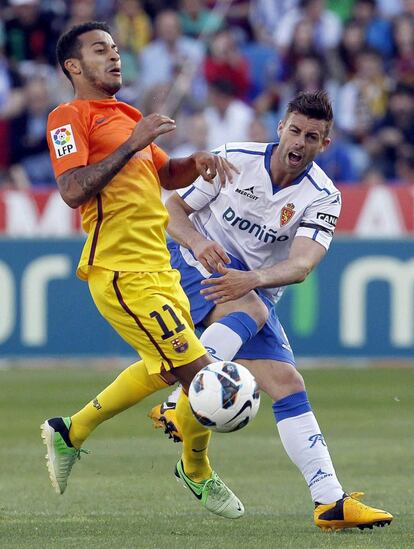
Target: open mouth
116,71
295,158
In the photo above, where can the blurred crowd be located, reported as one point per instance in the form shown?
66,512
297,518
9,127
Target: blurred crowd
225,70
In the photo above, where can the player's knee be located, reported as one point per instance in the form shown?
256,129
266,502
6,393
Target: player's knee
259,312
287,382
292,380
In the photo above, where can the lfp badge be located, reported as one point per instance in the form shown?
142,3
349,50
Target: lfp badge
63,140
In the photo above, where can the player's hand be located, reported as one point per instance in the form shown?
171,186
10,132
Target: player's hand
233,284
210,254
149,128
209,165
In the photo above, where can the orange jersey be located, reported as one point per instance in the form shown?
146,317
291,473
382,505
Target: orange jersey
126,221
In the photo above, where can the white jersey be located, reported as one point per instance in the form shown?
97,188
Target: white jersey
252,218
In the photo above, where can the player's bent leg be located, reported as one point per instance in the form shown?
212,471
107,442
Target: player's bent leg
228,327
61,454
306,446
212,493
194,467
130,387
63,437
349,512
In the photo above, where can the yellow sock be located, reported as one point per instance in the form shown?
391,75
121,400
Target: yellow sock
195,442
131,386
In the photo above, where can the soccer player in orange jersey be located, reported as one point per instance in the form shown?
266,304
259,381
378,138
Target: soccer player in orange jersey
106,163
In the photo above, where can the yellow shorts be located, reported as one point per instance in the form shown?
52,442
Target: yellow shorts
151,312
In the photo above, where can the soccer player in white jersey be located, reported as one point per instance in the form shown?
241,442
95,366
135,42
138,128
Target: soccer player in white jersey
237,247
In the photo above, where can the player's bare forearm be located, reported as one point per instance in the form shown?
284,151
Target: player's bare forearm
180,226
79,185
233,284
178,173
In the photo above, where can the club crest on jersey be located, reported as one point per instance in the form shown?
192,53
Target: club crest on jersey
63,140
180,344
287,213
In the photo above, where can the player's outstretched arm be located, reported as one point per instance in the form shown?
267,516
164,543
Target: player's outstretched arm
304,255
178,173
78,185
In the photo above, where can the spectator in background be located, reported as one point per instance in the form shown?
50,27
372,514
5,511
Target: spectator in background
259,131
170,55
342,60
29,35
342,9
405,165
310,76
362,101
29,151
195,132
378,32
302,45
81,11
132,30
326,25
11,104
393,132
225,61
236,17
341,161
197,21
403,62
132,26
264,16
228,118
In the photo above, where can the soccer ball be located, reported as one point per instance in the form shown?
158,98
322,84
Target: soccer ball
224,396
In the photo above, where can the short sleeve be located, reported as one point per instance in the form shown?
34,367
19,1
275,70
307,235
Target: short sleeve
159,157
202,192
319,219
67,138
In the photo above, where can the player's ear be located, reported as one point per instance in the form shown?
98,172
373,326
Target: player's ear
72,65
325,143
280,127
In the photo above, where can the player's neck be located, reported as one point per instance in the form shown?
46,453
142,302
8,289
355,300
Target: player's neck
89,93
279,175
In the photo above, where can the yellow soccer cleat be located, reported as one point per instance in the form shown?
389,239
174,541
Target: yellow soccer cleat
163,417
349,512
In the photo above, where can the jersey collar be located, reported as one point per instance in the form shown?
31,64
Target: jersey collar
275,187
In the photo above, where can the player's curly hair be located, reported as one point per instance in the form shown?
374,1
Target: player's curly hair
69,44
313,105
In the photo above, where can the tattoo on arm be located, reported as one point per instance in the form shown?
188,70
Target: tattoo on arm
88,181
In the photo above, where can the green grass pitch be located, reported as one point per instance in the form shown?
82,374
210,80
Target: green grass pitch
123,495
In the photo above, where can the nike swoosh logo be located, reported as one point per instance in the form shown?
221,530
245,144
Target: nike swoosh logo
247,404
198,496
177,474
167,406
101,120
197,451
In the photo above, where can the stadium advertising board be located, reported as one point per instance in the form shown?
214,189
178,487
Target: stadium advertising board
359,302
379,211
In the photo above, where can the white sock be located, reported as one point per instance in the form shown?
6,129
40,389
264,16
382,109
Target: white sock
306,447
220,341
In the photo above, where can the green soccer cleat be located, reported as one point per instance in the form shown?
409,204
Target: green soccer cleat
213,494
61,455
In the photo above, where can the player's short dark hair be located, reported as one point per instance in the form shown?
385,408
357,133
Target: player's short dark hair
69,45
313,105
